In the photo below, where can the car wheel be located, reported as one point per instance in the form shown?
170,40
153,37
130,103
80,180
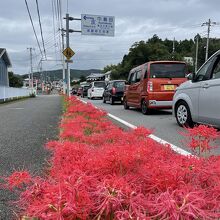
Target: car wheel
144,108
111,100
125,104
183,115
104,101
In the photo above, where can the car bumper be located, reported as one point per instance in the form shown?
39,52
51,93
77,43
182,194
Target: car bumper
118,97
96,94
160,104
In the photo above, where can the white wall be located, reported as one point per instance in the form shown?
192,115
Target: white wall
10,92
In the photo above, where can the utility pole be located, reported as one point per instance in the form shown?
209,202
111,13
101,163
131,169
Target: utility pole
67,46
69,51
63,63
173,48
31,78
41,76
209,23
197,46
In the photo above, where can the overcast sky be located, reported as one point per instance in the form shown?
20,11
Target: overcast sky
135,20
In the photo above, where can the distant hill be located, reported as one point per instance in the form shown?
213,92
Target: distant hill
58,74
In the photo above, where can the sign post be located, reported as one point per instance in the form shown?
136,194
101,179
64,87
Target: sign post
90,25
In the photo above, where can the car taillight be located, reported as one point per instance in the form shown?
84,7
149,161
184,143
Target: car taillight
149,86
113,91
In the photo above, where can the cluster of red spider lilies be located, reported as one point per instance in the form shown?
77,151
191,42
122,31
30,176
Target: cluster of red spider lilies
99,171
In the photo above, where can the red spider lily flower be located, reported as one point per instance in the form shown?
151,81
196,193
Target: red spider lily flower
200,138
18,179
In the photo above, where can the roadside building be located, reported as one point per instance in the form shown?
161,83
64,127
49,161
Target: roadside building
95,77
108,76
188,60
4,64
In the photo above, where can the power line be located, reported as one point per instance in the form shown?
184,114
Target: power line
41,32
53,12
60,26
59,13
52,38
33,27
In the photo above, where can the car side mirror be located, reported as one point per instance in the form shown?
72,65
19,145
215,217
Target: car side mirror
127,83
190,76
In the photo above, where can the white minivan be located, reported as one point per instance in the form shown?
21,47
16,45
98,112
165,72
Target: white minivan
96,89
198,100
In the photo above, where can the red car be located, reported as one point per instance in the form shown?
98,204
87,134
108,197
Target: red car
152,85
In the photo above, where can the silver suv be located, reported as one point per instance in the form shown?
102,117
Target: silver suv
198,100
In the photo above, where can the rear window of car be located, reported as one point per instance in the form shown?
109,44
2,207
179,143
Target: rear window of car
119,84
168,70
86,87
99,84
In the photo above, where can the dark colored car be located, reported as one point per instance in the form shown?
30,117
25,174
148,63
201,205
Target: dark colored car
114,91
84,91
74,91
79,91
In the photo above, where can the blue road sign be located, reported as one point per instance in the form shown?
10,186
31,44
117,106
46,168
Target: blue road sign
98,25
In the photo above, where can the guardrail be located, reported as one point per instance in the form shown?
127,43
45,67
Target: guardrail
10,92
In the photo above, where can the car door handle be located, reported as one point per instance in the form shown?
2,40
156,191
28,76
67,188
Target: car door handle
205,86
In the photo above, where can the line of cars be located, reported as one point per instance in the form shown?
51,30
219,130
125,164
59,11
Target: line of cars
110,92
194,98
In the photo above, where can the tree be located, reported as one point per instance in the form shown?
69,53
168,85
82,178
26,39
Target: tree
82,78
157,49
15,80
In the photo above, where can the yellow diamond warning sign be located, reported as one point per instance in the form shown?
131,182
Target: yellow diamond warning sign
68,53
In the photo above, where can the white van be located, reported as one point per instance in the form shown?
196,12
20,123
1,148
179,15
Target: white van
198,100
96,89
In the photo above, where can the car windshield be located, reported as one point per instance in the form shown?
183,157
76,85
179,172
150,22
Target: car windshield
119,84
168,70
99,84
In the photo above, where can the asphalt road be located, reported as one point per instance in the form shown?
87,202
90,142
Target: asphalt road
25,126
161,122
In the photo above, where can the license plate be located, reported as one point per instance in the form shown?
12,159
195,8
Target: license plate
169,87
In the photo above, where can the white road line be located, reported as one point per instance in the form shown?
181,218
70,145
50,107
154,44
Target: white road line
172,146
122,121
17,108
157,139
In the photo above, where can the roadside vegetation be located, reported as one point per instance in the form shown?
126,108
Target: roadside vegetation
15,80
99,171
158,49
